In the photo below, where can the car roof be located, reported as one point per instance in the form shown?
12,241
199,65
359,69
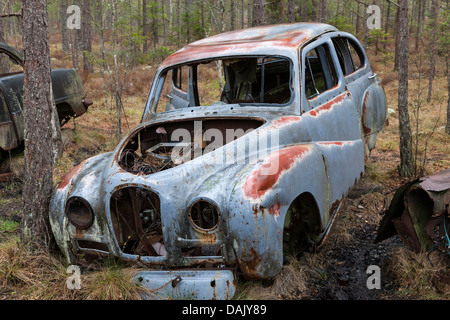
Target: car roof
271,39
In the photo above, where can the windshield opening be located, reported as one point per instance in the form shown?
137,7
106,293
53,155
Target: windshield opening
244,80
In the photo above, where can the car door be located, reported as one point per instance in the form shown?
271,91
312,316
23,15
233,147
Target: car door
333,122
364,86
8,137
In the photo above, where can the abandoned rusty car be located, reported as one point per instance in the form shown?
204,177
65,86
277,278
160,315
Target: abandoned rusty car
249,142
68,93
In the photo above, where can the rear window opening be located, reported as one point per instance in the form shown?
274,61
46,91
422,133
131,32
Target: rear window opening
244,80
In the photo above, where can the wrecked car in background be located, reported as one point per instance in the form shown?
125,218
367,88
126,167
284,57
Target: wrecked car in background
248,144
419,213
68,93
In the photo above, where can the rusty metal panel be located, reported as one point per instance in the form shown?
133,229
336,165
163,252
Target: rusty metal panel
280,38
189,284
419,213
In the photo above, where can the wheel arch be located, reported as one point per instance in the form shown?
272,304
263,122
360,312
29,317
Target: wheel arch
302,224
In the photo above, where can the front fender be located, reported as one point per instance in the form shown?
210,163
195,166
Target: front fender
83,180
259,202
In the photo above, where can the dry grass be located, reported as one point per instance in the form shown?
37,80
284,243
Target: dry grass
291,281
39,275
415,272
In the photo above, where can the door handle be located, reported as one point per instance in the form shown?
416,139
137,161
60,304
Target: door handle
373,76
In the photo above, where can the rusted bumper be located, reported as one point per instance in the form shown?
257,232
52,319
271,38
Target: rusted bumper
419,213
188,284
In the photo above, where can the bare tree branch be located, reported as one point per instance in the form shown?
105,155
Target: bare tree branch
14,14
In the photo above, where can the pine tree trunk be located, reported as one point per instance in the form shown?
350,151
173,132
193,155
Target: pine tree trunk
187,14
163,22
447,127
144,26
386,26
357,19
242,14
39,111
322,9
291,11
434,9
64,30
303,10
396,39
259,12
178,23
86,36
406,167
154,24
418,30
4,65
314,11
232,16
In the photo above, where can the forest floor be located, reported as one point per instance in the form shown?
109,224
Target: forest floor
339,271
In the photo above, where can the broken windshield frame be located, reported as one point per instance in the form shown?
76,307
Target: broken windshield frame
246,81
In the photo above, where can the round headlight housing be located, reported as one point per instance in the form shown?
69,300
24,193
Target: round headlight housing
79,213
204,216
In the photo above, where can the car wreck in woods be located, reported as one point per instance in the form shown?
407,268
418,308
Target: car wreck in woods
68,93
249,142
419,213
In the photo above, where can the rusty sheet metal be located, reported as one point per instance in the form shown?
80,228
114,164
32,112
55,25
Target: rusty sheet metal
285,37
419,213
436,182
188,284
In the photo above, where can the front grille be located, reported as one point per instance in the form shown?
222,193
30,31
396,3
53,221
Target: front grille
136,218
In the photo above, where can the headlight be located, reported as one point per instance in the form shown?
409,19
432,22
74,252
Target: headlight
79,213
204,215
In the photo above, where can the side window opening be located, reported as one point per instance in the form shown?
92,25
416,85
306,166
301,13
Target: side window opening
350,57
320,74
357,56
180,78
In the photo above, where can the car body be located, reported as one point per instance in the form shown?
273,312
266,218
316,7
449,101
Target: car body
68,92
297,116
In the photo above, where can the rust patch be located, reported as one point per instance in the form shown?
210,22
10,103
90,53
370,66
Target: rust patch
334,206
286,120
274,210
68,177
259,181
249,267
221,45
327,106
337,143
363,115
